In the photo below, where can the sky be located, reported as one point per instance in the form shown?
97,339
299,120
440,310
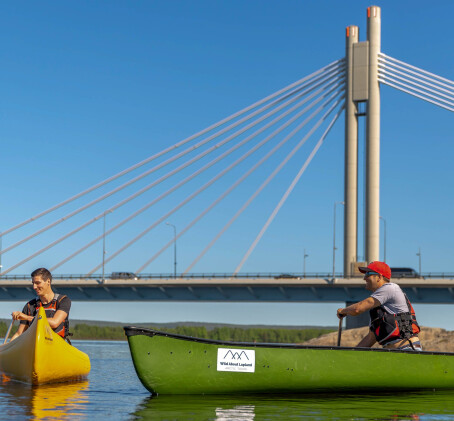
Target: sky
91,88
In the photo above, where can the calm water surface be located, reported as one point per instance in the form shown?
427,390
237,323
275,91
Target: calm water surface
113,392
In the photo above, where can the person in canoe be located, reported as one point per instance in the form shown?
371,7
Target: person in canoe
57,306
392,318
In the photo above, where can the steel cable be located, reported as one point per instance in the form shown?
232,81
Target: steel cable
208,165
190,198
175,146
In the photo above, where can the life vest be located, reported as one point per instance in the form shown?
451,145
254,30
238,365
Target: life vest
50,309
388,327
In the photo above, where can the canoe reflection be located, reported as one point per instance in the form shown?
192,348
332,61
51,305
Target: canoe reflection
385,406
60,401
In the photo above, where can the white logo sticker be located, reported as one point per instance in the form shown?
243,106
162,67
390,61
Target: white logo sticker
242,360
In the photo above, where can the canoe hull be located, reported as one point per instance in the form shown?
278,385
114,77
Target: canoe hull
40,356
173,364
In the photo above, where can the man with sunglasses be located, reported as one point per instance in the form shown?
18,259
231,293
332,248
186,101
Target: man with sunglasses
392,318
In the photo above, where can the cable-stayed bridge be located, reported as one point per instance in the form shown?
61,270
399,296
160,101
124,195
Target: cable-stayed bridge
198,174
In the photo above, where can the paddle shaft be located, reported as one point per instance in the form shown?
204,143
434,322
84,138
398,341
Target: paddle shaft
339,332
8,331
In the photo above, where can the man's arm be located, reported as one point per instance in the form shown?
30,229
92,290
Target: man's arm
358,308
59,317
367,341
21,329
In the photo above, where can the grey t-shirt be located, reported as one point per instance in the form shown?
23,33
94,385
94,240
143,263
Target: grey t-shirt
391,298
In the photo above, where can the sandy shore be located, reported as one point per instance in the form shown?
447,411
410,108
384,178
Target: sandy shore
432,338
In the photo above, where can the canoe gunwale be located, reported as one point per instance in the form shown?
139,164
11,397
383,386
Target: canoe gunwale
137,331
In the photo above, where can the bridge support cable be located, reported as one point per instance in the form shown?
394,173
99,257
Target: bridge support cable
417,82
425,93
336,78
263,185
334,65
164,217
231,188
214,161
287,193
329,78
441,81
338,81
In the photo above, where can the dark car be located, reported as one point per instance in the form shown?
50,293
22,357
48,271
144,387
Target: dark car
404,273
123,275
284,276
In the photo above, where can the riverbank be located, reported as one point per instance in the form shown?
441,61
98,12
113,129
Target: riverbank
432,338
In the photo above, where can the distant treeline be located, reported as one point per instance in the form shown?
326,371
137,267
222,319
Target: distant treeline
235,334
4,328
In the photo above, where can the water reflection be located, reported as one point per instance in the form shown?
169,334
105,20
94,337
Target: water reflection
241,412
432,405
46,402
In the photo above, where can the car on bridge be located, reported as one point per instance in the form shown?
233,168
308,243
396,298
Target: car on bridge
123,275
285,276
404,273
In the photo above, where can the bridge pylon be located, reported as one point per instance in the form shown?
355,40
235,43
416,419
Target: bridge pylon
362,86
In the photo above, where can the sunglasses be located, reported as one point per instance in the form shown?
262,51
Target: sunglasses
371,273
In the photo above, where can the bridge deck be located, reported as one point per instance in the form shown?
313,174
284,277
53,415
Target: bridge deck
419,290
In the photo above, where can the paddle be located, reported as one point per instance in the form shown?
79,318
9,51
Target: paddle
8,332
339,332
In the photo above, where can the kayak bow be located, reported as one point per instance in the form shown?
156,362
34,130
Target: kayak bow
40,356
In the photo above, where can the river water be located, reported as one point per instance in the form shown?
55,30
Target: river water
113,392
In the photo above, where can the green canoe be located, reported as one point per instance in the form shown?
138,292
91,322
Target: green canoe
176,364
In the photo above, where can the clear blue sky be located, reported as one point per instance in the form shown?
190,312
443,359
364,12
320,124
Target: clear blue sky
91,88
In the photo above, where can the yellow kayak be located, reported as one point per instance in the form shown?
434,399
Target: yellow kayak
41,356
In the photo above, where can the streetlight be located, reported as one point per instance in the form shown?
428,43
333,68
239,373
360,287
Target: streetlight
419,256
384,238
174,249
103,246
1,248
304,263
334,237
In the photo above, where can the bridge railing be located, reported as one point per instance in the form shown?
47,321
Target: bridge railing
130,275
213,275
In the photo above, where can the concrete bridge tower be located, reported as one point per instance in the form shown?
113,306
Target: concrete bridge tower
362,86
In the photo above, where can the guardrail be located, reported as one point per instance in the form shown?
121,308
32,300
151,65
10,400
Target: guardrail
276,275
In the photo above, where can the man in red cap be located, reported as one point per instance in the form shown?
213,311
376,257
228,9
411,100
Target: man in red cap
392,318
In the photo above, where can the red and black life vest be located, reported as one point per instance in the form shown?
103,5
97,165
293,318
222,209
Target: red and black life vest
388,327
50,309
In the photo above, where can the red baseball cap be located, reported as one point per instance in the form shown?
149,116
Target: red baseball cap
380,267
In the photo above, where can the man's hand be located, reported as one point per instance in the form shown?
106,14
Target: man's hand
18,315
340,315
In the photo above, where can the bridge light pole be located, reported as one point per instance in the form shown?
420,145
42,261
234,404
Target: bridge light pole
103,246
384,238
419,257
334,238
174,249
304,263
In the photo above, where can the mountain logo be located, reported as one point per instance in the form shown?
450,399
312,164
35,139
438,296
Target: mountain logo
235,355
237,360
